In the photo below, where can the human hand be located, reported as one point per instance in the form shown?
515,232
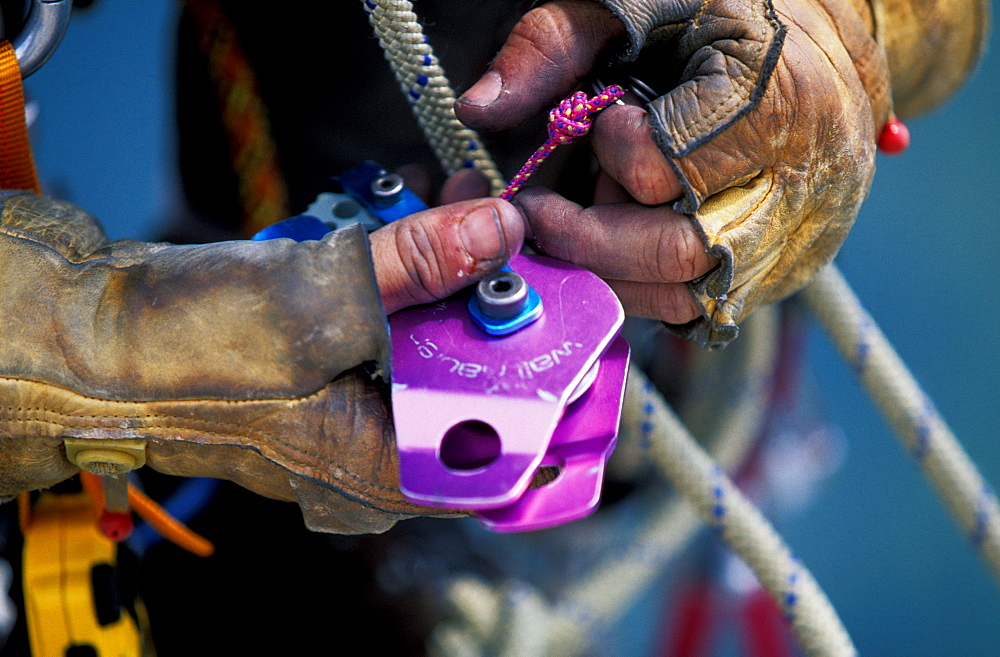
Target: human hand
433,254
235,360
645,254
765,144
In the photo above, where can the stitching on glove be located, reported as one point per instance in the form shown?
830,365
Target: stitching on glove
751,91
35,414
705,121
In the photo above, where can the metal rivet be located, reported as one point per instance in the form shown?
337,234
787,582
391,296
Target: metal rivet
387,187
502,295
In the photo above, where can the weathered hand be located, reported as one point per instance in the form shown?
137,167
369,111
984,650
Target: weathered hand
646,254
433,254
764,141
234,360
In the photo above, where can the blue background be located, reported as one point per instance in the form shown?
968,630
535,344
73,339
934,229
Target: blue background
922,258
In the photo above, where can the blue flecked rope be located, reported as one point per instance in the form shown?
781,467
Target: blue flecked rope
915,421
724,508
427,90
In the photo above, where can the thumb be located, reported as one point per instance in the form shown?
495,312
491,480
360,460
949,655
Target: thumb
547,53
433,254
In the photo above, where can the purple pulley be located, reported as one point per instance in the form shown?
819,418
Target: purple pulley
477,415
521,372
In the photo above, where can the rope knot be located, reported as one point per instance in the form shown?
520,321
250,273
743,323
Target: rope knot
572,118
567,121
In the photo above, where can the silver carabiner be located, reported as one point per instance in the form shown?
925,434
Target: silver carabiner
43,29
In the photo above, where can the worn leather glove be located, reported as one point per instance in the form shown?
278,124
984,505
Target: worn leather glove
763,138
236,360
932,47
770,121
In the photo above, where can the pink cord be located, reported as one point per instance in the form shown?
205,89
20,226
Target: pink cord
571,119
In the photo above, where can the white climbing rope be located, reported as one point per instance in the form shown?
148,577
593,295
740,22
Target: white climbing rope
721,505
427,89
570,623
522,614
514,619
915,421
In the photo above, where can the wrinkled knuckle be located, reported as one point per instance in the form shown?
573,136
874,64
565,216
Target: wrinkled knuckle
690,254
423,260
536,22
675,305
677,254
550,37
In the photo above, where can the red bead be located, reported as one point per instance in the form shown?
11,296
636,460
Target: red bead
895,137
116,525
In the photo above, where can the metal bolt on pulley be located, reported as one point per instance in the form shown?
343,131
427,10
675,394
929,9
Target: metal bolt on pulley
502,295
504,303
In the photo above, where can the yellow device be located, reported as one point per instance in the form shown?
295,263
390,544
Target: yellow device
70,595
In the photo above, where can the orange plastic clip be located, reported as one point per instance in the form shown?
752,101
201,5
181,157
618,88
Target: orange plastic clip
168,526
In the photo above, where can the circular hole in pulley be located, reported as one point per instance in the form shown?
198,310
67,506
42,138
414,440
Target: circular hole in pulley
470,445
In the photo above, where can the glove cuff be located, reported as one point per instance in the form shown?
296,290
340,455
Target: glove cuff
232,360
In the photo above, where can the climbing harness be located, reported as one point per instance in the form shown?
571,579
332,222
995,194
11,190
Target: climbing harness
701,481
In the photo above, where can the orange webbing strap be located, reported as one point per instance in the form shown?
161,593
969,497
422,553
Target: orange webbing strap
168,526
17,165
158,518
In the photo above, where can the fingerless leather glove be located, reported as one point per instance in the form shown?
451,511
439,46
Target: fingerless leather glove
770,118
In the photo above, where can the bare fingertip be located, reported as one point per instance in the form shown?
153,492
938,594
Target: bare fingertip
515,225
529,196
482,235
484,92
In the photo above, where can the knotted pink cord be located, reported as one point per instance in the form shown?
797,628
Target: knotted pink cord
571,119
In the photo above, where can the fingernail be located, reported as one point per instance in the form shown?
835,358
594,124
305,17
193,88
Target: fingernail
482,234
485,91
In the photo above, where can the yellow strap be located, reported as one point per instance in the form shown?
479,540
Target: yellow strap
17,165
